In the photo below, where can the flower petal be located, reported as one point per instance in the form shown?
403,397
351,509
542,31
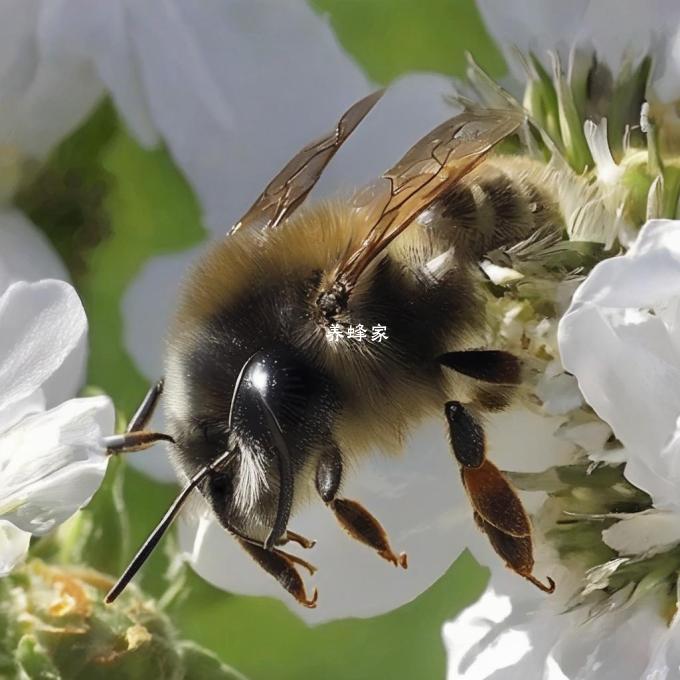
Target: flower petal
418,498
42,323
13,546
42,96
610,647
644,533
27,255
506,635
25,252
627,358
99,35
51,463
464,637
540,27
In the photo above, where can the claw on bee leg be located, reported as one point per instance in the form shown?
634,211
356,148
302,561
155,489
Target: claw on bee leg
297,560
517,551
282,567
550,588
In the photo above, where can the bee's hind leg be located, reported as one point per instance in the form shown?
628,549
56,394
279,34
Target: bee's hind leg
498,510
136,437
353,517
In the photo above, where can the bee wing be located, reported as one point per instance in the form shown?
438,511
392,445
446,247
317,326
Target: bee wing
290,187
428,169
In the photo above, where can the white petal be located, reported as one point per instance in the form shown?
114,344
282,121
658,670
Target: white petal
506,635
614,646
644,533
51,463
590,436
533,25
500,275
12,414
524,441
25,252
559,394
43,96
27,255
99,34
42,323
13,546
417,497
627,359
469,659
596,137
219,121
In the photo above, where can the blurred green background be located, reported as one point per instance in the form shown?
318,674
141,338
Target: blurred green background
121,223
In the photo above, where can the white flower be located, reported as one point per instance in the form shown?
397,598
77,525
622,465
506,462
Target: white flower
186,74
621,339
615,32
51,461
513,633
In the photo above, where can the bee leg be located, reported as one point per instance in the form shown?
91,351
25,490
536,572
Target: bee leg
134,441
353,517
282,567
487,365
146,409
287,537
291,536
497,507
136,438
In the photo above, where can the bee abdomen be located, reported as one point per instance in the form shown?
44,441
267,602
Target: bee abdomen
491,208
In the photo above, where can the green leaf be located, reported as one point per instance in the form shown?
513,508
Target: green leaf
265,640
34,660
202,665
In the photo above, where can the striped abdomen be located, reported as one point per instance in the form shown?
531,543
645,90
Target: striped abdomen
502,202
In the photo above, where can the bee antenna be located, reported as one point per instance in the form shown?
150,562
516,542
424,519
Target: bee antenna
156,535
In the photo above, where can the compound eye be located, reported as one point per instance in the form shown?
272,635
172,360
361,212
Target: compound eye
282,381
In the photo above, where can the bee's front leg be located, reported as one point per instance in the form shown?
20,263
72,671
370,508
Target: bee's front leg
498,510
281,566
358,522
136,437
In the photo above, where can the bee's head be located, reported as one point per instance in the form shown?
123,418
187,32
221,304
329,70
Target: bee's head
280,407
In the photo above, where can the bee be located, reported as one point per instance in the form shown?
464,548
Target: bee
268,405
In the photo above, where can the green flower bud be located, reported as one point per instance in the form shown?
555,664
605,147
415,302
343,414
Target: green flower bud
54,624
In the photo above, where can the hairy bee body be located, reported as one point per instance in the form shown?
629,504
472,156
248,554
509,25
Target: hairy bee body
257,291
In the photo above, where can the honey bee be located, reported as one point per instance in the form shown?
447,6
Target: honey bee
266,408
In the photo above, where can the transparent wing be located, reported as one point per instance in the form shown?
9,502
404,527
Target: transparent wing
428,169
290,187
